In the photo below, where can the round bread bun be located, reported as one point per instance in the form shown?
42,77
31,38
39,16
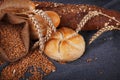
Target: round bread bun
55,19
65,45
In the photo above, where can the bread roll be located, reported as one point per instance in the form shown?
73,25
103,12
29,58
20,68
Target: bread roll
54,17
65,45
44,24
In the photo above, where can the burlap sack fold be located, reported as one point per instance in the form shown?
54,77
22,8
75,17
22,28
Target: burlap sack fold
14,36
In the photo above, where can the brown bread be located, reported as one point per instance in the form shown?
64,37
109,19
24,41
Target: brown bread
72,14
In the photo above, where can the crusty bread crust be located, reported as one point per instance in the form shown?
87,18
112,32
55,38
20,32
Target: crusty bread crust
65,45
72,14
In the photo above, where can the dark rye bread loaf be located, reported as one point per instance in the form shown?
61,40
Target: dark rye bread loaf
72,14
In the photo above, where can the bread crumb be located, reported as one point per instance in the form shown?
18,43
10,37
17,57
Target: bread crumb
89,60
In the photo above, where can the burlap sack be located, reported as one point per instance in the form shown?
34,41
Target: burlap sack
14,35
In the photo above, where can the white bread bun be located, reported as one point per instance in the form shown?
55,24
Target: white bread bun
65,45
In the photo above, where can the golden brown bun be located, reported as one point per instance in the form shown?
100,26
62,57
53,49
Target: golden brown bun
55,19
65,45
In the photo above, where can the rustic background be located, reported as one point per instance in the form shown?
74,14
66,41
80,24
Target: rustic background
101,60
